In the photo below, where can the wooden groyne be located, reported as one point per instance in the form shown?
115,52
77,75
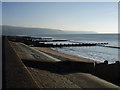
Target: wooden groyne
66,45
37,42
110,46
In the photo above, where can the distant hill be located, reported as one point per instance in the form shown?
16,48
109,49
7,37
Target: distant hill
14,30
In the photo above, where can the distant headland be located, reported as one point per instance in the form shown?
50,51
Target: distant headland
17,30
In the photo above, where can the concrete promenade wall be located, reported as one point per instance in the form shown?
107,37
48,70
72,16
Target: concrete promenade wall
16,74
109,72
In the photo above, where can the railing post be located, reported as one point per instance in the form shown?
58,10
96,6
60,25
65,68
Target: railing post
106,62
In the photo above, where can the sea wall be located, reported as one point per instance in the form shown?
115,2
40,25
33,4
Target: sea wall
15,74
109,72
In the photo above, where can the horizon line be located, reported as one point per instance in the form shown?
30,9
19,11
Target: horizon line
60,29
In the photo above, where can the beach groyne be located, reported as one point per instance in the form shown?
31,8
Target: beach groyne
110,46
37,42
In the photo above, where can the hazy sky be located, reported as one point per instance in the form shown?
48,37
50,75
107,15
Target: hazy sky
79,16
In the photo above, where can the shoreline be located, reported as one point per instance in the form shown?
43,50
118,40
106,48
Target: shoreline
99,58
64,56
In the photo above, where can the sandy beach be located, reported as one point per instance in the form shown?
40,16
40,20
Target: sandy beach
63,56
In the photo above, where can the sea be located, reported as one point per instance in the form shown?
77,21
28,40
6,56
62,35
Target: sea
97,53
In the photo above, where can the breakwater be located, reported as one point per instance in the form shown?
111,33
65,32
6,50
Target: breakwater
110,46
38,42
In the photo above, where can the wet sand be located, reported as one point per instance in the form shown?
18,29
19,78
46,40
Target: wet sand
63,56
47,79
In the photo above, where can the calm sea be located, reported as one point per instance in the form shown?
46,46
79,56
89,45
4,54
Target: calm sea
97,53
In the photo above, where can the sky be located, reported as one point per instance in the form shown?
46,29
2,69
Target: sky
0,13
100,17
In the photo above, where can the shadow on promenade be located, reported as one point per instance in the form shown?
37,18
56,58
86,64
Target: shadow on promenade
109,72
63,67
